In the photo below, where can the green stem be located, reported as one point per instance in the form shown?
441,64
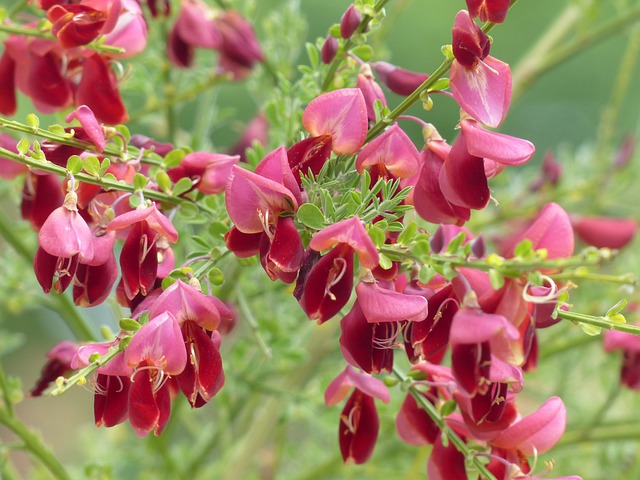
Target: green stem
182,96
603,433
433,413
598,322
248,316
46,34
627,279
34,444
619,91
410,100
105,183
335,63
67,139
60,303
558,56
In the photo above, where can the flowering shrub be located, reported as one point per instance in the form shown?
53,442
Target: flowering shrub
429,288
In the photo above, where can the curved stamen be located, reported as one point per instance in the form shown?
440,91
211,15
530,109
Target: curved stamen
340,263
549,297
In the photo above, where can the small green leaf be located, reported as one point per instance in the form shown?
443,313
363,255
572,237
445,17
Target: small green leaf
377,236
456,242
140,181
441,84
218,229
167,282
163,181
23,146
173,158
590,330
496,279
124,131
618,319
407,234
183,185
311,216
426,274
189,210
57,129
92,165
216,277
524,249
448,408
363,52
135,201
312,53
33,121
334,31
104,166
119,142
74,165
617,308
385,262
129,325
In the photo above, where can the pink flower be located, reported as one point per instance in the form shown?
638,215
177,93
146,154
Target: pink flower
494,11
390,155
480,83
605,232
359,424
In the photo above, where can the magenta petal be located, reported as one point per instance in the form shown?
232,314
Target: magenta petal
473,326
394,150
551,230
358,438
144,413
446,463
65,234
186,303
606,232
275,166
614,340
348,379
250,198
90,124
342,114
156,221
195,26
483,91
352,232
462,178
160,342
494,146
538,432
381,305
428,198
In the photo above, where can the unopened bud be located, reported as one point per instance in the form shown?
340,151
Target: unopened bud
349,22
329,49
400,81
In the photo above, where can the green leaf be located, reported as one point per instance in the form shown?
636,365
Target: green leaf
456,242
313,54
590,330
183,185
74,165
23,146
129,325
496,279
92,165
448,408
377,236
385,262
426,274
363,52
124,131
140,181
33,121
173,158
218,229
135,201
216,277
441,84
311,216
617,308
407,234
119,142
334,31
106,163
524,249
189,210
163,181
57,129
168,281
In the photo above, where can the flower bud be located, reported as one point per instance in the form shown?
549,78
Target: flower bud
399,80
329,49
349,22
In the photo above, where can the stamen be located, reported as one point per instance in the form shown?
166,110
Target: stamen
337,263
549,297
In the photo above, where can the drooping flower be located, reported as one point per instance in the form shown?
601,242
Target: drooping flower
58,363
390,155
494,11
359,423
